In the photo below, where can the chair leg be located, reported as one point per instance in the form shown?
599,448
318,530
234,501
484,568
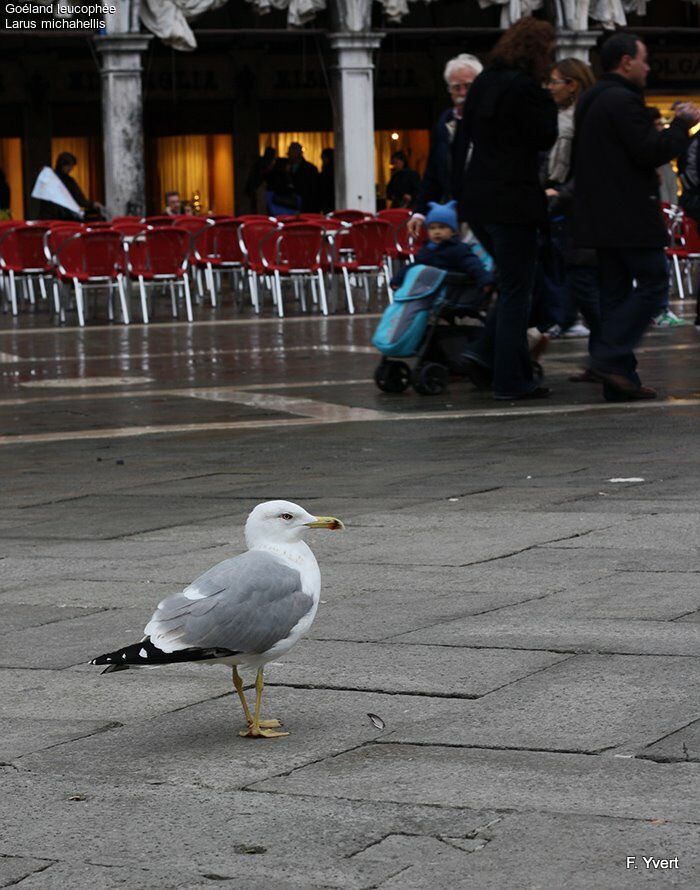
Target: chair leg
387,278
13,292
365,285
56,299
144,301
679,277
277,286
30,290
121,290
322,292
110,302
188,297
348,292
79,305
212,286
42,288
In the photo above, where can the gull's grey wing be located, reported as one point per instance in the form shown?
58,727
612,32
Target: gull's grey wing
245,604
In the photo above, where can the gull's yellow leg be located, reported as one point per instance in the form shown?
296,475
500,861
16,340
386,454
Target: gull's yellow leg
238,683
257,729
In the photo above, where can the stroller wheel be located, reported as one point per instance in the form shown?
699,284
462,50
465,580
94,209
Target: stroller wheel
430,379
392,376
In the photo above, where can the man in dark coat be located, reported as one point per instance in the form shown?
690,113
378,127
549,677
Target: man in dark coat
436,184
304,178
403,186
509,118
616,207
65,163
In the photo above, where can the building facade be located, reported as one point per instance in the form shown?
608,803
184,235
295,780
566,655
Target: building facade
144,117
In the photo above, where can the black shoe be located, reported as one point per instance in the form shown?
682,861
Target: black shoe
539,392
586,376
479,374
618,388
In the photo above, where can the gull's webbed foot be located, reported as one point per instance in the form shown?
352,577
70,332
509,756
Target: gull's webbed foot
267,724
260,731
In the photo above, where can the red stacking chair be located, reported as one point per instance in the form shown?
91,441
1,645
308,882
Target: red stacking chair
217,248
98,224
22,258
684,250
57,235
125,219
252,236
160,220
161,257
297,251
363,250
349,216
90,259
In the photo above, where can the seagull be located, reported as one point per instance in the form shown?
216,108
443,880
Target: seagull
247,610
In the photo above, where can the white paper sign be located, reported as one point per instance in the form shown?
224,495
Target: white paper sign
48,187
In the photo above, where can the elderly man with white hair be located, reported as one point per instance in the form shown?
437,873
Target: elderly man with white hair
436,185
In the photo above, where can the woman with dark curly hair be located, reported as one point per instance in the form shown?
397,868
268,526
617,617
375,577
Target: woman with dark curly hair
509,118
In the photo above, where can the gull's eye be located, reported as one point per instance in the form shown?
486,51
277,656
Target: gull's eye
286,516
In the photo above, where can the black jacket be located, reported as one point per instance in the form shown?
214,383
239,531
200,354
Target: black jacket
436,184
452,256
402,182
49,210
508,118
617,149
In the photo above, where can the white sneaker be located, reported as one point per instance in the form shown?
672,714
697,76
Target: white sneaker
576,330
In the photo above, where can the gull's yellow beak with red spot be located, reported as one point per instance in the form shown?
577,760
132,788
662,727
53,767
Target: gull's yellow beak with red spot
326,522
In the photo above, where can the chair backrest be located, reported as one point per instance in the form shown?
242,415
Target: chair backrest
370,240
160,251
161,220
220,242
395,215
691,234
251,236
128,228
297,245
22,248
57,234
349,215
193,224
125,219
97,253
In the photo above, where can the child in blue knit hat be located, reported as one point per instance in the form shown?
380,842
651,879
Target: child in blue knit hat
444,250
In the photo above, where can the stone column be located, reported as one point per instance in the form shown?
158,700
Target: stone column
576,44
36,136
354,118
122,121
246,127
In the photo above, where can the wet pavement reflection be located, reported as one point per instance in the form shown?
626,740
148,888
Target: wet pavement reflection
226,371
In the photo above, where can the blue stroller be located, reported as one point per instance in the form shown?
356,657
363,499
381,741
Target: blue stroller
414,326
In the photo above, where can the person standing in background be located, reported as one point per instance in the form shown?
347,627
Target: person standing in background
509,118
436,184
403,186
617,151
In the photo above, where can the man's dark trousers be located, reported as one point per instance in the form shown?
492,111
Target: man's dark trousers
633,289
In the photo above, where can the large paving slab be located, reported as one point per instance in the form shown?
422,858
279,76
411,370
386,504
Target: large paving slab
661,596
414,670
511,780
200,745
517,853
563,635
586,703
195,832
77,641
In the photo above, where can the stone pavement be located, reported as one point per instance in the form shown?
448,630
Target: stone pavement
525,628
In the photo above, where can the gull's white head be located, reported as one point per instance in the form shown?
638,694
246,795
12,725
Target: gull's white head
282,522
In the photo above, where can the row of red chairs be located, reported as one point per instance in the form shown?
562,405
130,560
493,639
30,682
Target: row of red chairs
266,250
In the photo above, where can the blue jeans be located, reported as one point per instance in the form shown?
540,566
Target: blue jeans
633,289
503,345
